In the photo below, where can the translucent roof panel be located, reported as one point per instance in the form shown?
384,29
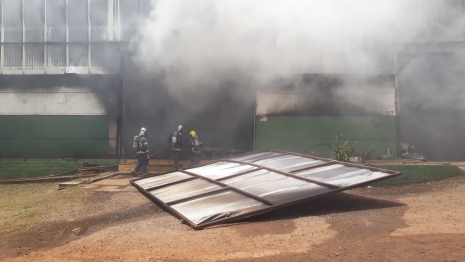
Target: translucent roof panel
162,180
288,162
221,169
274,187
255,156
250,184
184,190
223,204
340,175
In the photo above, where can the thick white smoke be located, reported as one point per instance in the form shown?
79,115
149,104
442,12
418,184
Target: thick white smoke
201,50
197,43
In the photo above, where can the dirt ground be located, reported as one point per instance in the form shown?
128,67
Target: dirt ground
421,222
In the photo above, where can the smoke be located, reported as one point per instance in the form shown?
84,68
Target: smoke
320,95
431,104
211,56
197,43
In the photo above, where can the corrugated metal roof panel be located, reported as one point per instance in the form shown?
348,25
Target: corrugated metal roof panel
221,170
255,156
251,184
210,208
184,190
288,162
274,187
341,175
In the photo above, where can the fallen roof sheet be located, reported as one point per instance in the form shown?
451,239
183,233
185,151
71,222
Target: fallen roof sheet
251,184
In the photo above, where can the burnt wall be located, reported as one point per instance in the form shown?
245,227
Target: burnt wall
222,116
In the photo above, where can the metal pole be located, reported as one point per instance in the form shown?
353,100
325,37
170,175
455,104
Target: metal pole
67,32
119,110
2,50
24,37
89,31
254,120
45,36
397,116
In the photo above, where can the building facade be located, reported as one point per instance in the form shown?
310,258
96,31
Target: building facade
60,82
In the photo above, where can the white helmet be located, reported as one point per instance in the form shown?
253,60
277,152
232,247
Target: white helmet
179,127
143,130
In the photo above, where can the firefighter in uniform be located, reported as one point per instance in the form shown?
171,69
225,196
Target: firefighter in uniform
195,145
142,152
176,141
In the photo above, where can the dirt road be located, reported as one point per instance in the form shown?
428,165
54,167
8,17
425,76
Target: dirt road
423,222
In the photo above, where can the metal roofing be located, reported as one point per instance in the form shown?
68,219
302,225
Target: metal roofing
251,184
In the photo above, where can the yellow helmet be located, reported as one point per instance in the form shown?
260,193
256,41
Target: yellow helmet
192,133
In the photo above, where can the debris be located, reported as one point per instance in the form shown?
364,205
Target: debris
68,184
408,151
251,184
77,230
355,159
88,171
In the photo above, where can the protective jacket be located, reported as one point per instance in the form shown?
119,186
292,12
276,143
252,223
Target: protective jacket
143,146
195,144
177,145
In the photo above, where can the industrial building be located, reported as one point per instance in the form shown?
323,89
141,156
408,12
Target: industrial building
60,70
70,89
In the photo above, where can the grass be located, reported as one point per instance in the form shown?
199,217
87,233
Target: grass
419,173
26,205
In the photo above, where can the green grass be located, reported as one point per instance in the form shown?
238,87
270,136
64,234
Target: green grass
26,205
419,173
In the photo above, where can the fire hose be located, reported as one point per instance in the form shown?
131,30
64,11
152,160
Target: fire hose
130,163
59,177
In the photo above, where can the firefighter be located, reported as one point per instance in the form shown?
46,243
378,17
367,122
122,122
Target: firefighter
196,146
142,152
176,141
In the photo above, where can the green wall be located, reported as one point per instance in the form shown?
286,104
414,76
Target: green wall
53,136
309,133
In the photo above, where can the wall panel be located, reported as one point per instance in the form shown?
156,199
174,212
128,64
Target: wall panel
317,134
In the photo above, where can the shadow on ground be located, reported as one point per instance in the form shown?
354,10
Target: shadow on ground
50,235
338,203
